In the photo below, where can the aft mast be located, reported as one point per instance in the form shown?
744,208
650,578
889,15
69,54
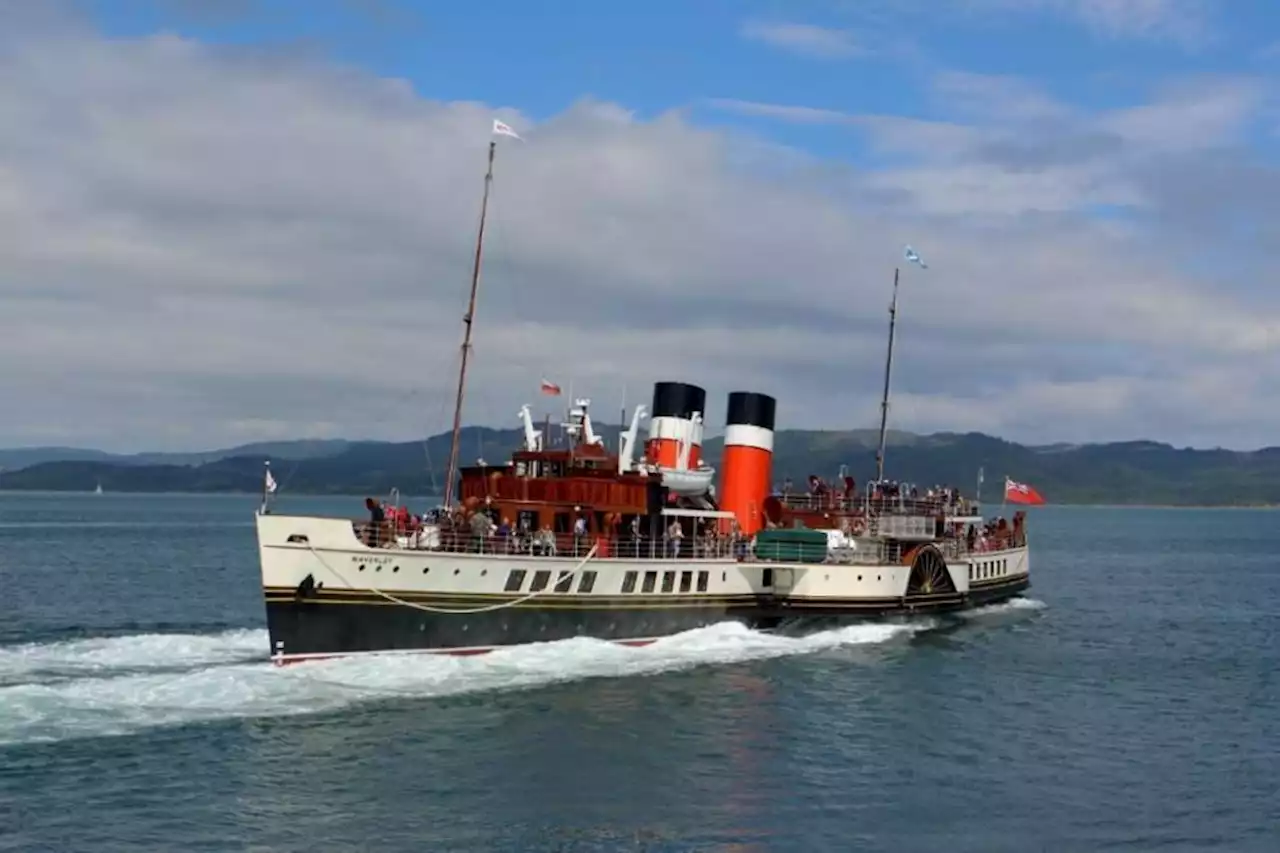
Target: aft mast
499,129
913,257
888,370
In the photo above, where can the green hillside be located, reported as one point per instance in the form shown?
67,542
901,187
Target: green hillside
1137,472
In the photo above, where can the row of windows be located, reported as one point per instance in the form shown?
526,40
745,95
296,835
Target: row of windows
688,581
542,577
650,581
988,569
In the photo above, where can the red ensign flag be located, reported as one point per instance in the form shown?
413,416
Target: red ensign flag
551,389
1021,493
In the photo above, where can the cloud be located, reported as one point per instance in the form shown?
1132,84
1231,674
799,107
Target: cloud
804,39
202,245
1184,22
782,112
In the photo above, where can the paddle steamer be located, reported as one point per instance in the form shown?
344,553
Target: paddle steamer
628,546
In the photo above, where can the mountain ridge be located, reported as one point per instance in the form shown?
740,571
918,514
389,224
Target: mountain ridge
1127,472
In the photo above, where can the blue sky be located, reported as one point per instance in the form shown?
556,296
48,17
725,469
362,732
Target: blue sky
874,57
709,191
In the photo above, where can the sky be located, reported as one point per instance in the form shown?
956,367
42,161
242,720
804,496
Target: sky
225,221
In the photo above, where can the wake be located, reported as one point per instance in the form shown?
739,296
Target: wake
121,685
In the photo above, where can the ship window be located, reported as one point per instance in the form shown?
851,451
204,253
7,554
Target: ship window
565,581
668,581
588,582
686,581
766,577
527,519
540,580
515,580
563,523
650,581
703,577
629,582
299,538
1004,565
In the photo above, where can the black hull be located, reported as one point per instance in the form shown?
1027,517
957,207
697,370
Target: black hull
314,627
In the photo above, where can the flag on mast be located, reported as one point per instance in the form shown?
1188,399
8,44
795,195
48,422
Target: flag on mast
913,257
501,128
269,483
551,389
1021,493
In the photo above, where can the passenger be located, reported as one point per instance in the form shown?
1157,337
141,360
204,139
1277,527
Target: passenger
505,534
674,535
482,527
377,518
637,536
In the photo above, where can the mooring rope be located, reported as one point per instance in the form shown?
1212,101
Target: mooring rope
449,612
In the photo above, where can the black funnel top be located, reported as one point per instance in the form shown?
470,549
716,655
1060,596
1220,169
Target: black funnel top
677,400
747,408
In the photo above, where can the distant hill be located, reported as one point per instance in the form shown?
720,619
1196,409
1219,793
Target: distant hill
25,457
1135,472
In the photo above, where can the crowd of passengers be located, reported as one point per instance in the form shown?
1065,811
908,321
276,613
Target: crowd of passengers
476,530
882,496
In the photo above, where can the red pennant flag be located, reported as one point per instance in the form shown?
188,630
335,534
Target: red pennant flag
551,389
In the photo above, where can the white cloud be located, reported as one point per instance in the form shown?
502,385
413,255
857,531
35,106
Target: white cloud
205,245
1185,22
804,39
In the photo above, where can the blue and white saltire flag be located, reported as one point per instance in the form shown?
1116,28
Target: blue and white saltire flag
911,255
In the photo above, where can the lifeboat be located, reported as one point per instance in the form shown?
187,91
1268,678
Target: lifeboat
688,482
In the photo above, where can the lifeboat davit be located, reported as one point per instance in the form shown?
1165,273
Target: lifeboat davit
687,482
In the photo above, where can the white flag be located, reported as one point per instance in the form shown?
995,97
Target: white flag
270,484
501,128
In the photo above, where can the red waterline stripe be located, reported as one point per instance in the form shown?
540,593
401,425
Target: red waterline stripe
287,660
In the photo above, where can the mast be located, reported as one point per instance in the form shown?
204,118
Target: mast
888,369
467,321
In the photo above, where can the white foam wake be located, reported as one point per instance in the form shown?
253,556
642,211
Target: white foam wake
138,652
93,688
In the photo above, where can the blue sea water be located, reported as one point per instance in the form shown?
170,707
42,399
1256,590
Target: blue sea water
1128,703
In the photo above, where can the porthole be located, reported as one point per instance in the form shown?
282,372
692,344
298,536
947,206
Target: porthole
859,578
377,568
426,569
395,569
456,571
484,572
362,567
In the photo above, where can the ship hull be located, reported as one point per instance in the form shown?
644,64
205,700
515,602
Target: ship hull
327,595
320,629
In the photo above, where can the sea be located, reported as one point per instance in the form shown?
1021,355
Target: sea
1128,702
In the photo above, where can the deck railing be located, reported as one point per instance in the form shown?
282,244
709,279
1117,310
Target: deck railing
711,547
877,505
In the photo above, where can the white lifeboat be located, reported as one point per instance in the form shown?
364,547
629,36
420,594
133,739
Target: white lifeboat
688,482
